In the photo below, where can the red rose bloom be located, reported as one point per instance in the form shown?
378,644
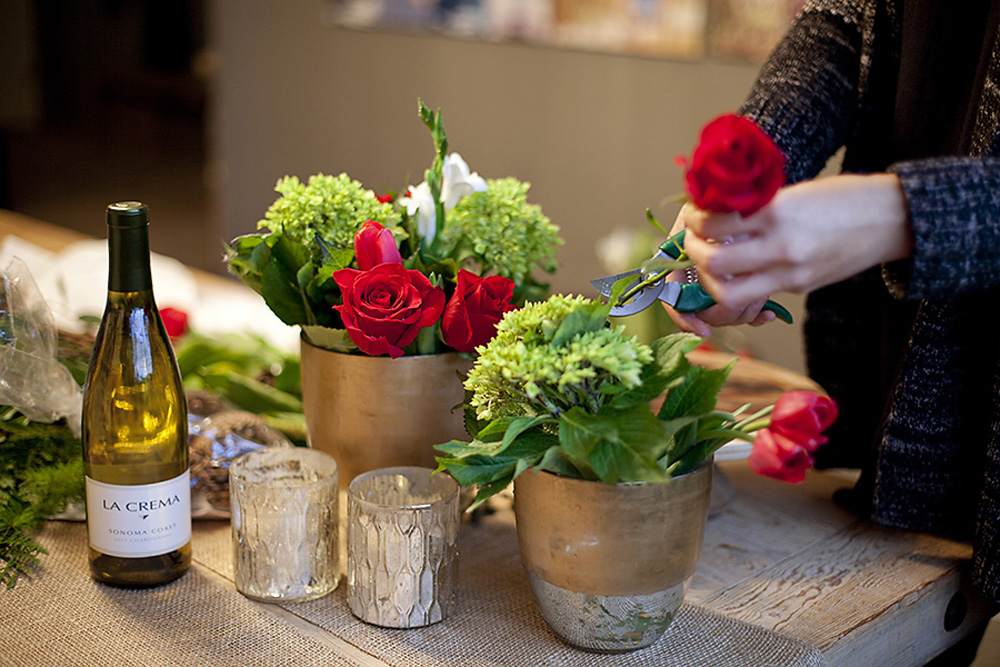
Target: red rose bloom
735,167
374,245
386,306
471,316
175,321
777,456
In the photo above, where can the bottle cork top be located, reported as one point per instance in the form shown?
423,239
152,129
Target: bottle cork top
128,214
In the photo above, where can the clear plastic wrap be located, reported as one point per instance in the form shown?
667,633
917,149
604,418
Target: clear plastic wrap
31,377
214,441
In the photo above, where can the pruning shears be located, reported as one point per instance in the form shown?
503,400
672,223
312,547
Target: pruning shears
686,297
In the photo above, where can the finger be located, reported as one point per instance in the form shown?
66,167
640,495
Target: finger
689,322
741,292
726,260
719,226
723,315
764,317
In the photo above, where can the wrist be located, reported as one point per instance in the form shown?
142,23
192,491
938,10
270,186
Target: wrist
889,200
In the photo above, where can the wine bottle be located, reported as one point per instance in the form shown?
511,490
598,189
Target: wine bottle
134,426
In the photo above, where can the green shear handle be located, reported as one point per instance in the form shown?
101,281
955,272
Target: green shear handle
693,297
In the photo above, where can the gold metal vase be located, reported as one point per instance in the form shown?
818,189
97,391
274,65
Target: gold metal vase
377,412
609,564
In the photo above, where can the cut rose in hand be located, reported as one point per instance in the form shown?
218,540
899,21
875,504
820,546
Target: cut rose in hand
735,167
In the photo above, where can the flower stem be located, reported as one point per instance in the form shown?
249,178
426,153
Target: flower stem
652,280
427,341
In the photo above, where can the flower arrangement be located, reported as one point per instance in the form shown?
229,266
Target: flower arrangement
429,271
558,389
561,390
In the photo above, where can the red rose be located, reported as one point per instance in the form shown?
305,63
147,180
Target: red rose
174,321
803,416
735,167
386,198
471,316
374,245
778,456
386,306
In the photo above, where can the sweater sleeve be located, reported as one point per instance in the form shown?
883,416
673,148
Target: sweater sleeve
954,208
807,93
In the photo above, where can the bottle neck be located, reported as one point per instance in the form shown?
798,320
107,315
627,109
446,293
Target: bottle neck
128,259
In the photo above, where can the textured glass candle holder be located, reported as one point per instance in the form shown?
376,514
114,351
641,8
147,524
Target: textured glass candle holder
402,546
284,522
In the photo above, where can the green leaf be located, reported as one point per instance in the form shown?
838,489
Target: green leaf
617,444
586,319
697,395
459,449
620,287
519,426
336,340
555,460
280,285
246,257
479,469
254,396
495,430
656,223
670,351
653,385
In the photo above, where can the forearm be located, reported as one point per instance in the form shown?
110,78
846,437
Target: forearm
811,235
954,209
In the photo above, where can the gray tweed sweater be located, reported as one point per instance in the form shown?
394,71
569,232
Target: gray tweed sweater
908,351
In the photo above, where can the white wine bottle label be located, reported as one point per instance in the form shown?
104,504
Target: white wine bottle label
141,520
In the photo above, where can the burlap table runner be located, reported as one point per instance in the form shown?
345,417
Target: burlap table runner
60,617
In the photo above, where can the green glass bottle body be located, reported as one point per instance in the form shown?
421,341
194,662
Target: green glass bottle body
134,426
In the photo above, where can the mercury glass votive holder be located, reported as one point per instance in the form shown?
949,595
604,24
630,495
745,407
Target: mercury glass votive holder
284,523
402,546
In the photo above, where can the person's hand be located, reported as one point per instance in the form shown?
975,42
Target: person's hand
811,234
699,322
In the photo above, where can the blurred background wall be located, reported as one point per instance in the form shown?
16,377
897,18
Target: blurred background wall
199,106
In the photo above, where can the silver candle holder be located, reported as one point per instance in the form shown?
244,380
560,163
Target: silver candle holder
402,546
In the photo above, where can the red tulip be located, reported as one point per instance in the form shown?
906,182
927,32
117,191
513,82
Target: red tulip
374,245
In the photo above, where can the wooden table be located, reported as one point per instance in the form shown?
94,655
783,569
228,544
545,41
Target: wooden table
778,557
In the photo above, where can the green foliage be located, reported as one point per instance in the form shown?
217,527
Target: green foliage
558,389
18,550
311,235
250,374
331,207
550,356
499,232
296,284
40,472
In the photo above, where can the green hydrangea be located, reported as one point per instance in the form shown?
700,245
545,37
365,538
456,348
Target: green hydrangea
334,206
526,370
502,233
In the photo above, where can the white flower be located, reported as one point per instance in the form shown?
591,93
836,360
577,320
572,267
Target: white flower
421,203
458,182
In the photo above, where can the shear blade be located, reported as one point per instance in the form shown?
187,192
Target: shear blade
639,302
605,284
